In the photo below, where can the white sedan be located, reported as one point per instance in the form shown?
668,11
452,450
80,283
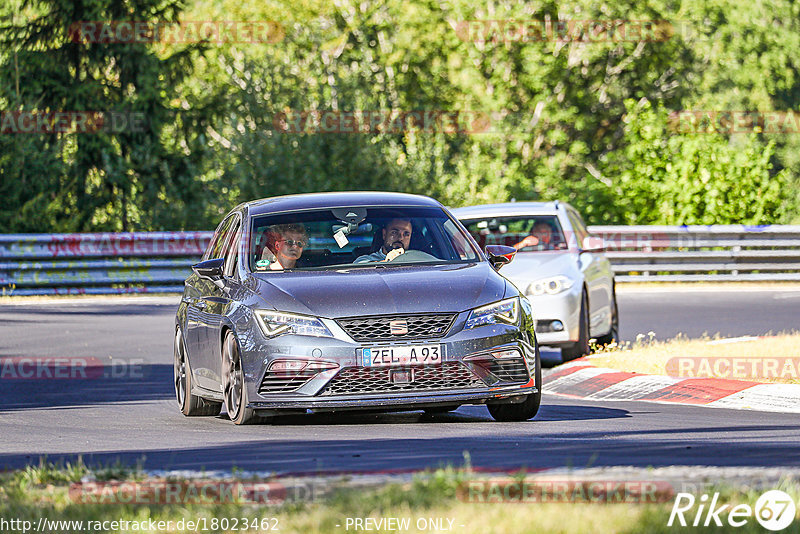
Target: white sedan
559,267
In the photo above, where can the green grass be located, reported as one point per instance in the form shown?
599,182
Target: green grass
43,491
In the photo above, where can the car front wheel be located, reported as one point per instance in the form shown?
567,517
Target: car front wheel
233,384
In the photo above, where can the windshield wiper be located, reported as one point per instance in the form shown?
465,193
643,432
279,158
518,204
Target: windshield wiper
334,266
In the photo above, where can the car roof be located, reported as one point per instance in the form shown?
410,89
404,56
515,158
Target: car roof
509,209
335,200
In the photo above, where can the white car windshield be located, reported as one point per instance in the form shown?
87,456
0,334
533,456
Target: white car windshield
357,237
512,231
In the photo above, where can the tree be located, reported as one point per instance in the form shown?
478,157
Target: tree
665,177
137,174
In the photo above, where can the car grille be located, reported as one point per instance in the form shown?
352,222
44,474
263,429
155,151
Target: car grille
367,329
357,380
509,370
281,382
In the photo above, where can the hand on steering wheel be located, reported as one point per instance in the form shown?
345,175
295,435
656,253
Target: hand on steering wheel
394,253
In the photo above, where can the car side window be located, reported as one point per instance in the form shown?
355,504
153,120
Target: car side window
459,242
232,248
216,247
578,227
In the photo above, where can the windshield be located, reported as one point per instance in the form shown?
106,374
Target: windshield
357,236
513,231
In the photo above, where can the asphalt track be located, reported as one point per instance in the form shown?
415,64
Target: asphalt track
132,417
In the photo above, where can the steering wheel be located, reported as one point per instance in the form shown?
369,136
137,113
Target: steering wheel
414,256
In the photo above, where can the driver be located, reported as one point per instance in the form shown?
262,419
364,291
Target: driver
396,239
541,235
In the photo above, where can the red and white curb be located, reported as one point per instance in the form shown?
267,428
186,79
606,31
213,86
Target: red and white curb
581,379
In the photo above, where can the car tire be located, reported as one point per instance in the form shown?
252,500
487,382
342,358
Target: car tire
613,334
190,405
524,410
581,347
233,386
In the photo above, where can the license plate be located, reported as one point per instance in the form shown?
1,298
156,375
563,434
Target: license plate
401,355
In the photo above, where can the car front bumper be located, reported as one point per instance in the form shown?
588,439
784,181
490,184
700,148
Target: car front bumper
564,307
417,400
464,355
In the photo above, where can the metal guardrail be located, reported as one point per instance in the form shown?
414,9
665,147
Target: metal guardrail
158,262
67,264
702,253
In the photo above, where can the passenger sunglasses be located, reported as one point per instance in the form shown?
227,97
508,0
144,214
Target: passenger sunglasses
292,242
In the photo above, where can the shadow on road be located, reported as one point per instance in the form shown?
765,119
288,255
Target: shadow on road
123,382
467,414
556,412
381,443
502,451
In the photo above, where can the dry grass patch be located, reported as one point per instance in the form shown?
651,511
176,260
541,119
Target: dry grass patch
770,359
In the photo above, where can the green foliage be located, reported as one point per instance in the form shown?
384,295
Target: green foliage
702,178
582,122
49,473
118,180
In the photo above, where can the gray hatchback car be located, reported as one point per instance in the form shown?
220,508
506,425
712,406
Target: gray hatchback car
352,301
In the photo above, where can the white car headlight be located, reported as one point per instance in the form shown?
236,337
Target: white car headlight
505,311
275,323
549,286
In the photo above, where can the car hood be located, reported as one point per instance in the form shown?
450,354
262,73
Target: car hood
382,290
529,266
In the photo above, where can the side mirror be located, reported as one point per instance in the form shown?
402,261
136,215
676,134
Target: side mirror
211,270
499,255
592,243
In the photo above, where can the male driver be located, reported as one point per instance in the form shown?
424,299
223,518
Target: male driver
541,236
396,238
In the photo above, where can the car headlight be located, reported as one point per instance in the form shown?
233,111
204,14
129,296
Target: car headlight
505,311
550,286
275,323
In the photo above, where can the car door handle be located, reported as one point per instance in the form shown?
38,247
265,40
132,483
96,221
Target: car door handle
200,303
